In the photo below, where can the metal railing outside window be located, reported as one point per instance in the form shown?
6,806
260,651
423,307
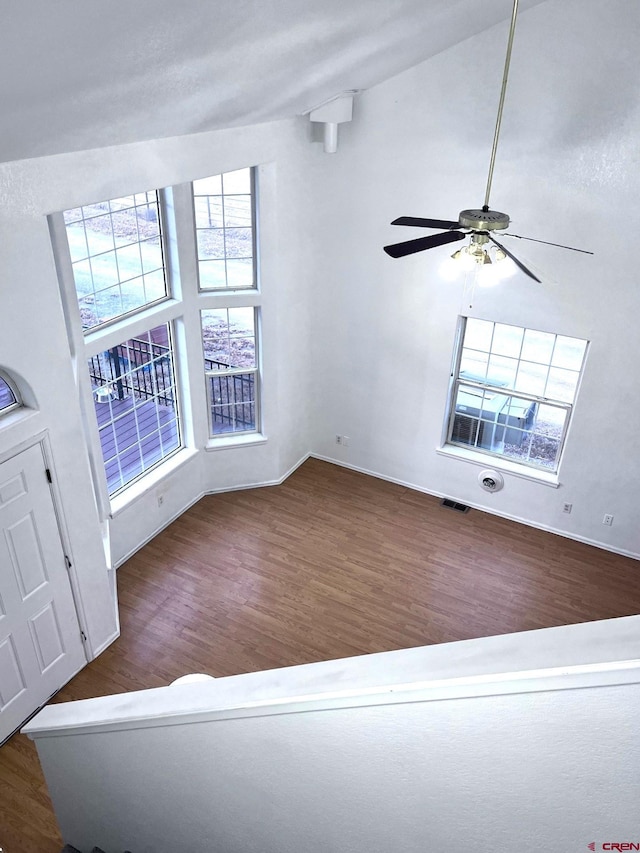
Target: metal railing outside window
136,367
231,397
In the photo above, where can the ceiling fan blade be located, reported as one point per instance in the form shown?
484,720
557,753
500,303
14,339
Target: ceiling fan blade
518,263
418,222
547,243
409,247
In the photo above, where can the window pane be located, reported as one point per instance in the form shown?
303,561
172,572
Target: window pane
537,346
238,243
478,334
8,399
111,244
544,451
129,261
135,403
213,274
569,353
208,186
533,433
474,365
107,303
502,370
210,243
104,270
229,338
562,384
237,182
232,401
507,340
532,378
240,272
237,210
209,213
224,226
229,346
77,244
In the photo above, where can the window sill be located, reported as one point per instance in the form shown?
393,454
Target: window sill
151,480
232,441
545,478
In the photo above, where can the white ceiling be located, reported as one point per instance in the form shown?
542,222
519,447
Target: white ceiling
79,74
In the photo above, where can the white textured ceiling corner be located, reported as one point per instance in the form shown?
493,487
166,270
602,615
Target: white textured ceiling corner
77,74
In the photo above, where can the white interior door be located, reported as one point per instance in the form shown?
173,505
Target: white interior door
40,642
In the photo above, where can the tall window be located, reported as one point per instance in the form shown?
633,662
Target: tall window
117,258
513,391
224,208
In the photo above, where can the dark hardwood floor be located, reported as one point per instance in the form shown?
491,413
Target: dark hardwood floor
330,564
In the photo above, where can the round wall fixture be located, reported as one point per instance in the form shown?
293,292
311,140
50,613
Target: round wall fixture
491,481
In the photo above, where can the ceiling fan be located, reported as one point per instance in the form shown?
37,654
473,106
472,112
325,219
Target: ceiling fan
479,223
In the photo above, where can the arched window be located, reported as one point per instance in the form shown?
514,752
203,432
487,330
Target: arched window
9,395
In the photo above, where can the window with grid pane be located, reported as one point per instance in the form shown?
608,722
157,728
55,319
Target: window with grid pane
513,391
117,257
224,217
135,403
229,343
118,262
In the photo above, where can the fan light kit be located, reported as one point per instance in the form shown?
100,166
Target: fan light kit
477,224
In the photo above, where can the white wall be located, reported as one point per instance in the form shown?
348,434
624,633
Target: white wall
523,742
354,342
34,347
567,171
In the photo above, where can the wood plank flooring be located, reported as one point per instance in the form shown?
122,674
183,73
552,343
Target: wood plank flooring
330,564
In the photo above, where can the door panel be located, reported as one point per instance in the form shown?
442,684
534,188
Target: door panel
25,553
40,644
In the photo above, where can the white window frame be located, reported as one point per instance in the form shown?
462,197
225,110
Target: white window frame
237,371
85,344
254,239
226,297
472,451
161,196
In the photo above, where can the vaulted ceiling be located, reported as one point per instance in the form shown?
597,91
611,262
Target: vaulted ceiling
78,74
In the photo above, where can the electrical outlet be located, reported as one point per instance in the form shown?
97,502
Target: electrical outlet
160,499
607,519
567,508
338,439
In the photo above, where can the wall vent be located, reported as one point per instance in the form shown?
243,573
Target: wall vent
449,504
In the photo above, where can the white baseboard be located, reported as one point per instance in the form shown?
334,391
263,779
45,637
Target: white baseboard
116,564
509,516
277,482
105,644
